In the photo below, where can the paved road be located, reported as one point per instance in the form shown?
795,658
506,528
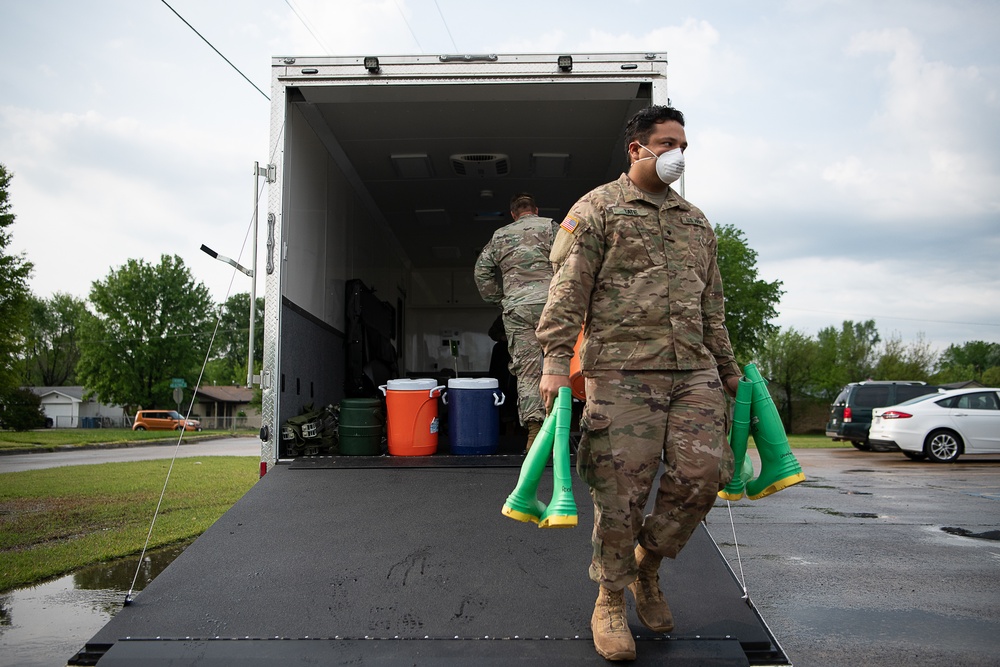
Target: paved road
875,560
222,447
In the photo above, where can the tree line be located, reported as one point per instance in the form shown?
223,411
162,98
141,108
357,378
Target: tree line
815,368
143,325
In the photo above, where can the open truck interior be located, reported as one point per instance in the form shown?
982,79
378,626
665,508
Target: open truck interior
398,187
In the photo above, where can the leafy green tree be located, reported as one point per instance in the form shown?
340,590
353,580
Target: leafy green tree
788,361
14,295
53,340
991,377
229,363
21,410
847,355
899,361
952,374
151,323
750,301
977,354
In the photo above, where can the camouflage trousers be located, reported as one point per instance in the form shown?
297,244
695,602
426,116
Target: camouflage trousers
632,421
519,323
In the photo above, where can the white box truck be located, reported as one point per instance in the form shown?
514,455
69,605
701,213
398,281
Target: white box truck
388,175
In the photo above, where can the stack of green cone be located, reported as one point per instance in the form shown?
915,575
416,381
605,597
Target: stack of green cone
523,504
778,467
738,437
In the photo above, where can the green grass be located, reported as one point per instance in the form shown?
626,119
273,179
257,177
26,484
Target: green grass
813,442
48,439
58,520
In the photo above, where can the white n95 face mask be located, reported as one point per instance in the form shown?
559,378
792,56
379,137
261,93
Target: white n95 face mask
669,165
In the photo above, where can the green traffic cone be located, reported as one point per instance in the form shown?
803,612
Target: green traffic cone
738,436
778,467
523,503
561,512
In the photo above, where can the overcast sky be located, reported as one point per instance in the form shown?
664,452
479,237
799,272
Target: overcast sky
856,143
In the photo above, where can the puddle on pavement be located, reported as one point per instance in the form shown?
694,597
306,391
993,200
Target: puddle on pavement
49,623
962,532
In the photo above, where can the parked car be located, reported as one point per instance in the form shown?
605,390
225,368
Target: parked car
941,427
163,420
851,411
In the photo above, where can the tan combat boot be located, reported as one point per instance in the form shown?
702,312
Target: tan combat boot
650,605
533,429
612,637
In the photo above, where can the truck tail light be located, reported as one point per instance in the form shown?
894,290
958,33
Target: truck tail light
847,414
895,414
263,468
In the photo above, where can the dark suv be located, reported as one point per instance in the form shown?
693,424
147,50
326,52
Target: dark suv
851,412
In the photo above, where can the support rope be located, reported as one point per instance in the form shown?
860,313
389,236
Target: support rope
739,560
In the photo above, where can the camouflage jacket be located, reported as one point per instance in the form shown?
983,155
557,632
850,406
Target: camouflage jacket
513,269
643,281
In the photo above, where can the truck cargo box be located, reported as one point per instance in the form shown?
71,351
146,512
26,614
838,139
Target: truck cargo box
393,172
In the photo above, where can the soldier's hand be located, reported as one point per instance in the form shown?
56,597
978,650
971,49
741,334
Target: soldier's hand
732,383
548,387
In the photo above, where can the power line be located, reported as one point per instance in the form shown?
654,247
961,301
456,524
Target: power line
216,50
308,27
447,29
412,34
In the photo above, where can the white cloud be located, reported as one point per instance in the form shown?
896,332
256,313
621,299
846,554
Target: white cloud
924,155
89,187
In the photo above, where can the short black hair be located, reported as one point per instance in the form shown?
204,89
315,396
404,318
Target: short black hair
522,201
641,125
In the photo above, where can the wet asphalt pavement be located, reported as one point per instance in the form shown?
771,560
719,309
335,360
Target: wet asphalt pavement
874,560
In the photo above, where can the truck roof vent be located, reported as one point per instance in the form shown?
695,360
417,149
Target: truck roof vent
480,165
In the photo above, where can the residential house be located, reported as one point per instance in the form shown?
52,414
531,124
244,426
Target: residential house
225,407
66,407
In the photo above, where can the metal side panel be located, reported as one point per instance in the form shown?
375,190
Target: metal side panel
272,232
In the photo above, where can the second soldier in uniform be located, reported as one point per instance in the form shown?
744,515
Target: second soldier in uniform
513,271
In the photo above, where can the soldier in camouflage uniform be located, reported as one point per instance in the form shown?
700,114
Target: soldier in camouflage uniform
636,266
513,271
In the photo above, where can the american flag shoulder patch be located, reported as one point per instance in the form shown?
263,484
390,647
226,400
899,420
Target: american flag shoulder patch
569,224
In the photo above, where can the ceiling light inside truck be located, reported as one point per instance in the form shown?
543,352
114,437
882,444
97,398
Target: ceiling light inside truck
550,165
413,165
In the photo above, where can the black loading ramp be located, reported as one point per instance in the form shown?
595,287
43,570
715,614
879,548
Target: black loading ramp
393,561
